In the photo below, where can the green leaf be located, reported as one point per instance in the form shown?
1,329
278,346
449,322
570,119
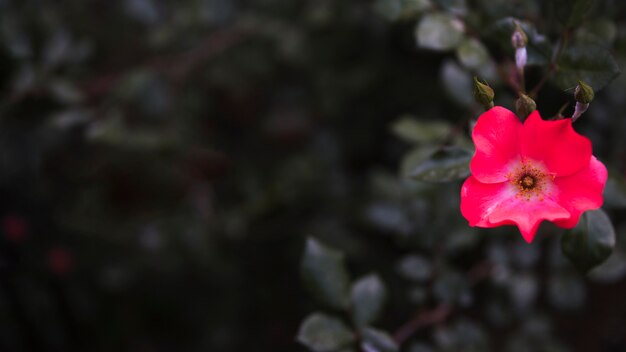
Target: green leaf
398,9
324,272
593,65
439,31
389,9
457,83
374,340
446,164
368,297
322,333
410,129
415,267
615,192
472,54
591,242
599,31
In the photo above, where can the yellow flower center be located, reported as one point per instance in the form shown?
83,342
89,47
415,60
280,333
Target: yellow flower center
530,181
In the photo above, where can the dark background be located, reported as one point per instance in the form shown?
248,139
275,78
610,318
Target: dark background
162,162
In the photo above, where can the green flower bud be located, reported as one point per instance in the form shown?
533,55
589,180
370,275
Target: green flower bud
483,94
583,93
524,106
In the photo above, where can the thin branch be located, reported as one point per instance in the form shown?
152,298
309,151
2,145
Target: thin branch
422,320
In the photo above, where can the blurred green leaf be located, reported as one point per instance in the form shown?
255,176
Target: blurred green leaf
446,164
410,129
472,54
566,292
420,347
368,297
462,335
615,191
451,287
389,9
457,7
439,31
591,242
457,83
325,274
599,31
415,267
324,333
579,10
398,9
592,64
415,7
375,340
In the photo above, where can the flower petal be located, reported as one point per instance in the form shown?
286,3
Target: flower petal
478,199
556,144
492,205
581,191
496,136
527,214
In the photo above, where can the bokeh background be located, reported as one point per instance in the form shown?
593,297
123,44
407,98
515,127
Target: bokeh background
162,163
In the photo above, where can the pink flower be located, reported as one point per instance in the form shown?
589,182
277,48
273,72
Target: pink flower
525,173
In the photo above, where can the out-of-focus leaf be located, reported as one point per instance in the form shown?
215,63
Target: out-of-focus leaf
410,129
415,7
600,31
413,158
420,347
417,295
368,297
566,292
612,270
389,9
325,274
446,164
593,65
590,242
398,9
472,54
523,290
375,340
324,333
451,287
457,83
457,7
415,267
580,10
463,335
439,31
615,192
569,13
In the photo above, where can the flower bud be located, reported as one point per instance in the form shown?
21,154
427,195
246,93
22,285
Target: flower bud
524,106
519,39
483,94
583,93
521,57
579,110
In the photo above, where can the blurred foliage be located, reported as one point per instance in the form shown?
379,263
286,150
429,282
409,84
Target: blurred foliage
162,164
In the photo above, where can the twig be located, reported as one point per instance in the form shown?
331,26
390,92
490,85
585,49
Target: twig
422,320
439,314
